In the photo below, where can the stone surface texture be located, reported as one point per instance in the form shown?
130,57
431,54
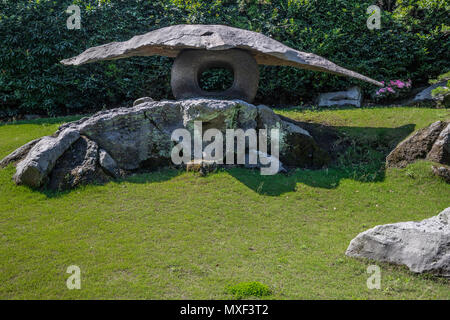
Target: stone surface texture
190,64
170,41
440,152
112,143
352,96
18,154
34,169
422,246
78,165
442,172
430,143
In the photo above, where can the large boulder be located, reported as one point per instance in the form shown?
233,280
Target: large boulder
112,143
422,246
430,142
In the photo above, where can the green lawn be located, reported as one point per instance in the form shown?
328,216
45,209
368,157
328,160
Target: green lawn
176,235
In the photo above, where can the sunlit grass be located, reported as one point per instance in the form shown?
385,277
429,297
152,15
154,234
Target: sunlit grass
176,235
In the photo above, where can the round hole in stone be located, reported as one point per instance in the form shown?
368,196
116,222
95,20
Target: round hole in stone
216,79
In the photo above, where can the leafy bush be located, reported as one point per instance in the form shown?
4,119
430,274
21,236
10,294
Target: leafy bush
249,289
411,44
216,79
441,94
441,78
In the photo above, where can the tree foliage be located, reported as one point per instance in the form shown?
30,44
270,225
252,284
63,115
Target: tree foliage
412,43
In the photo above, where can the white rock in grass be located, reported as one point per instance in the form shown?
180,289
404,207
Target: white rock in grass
352,96
422,246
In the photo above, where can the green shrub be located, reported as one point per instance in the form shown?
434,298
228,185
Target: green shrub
412,44
440,78
442,94
249,289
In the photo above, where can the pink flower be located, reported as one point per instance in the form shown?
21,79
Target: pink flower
390,90
382,90
400,84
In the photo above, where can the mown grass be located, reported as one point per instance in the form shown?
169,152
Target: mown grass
176,235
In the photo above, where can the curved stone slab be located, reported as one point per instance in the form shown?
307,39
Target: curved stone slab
170,41
18,154
40,160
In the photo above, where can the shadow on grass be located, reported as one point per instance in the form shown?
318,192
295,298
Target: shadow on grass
358,153
395,104
139,178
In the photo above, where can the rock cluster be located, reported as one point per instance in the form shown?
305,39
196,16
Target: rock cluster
116,142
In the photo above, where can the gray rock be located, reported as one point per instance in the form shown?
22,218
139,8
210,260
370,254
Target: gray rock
425,95
77,166
352,96
422,246
118,141
267,119
18,154
170,41
442,172
297,146
35,167
219,114
416,146
31,117
109,164
299,149
440,152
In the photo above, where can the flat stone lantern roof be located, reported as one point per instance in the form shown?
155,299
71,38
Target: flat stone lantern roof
171,41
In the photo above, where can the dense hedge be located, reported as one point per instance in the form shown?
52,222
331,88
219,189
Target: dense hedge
412,44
